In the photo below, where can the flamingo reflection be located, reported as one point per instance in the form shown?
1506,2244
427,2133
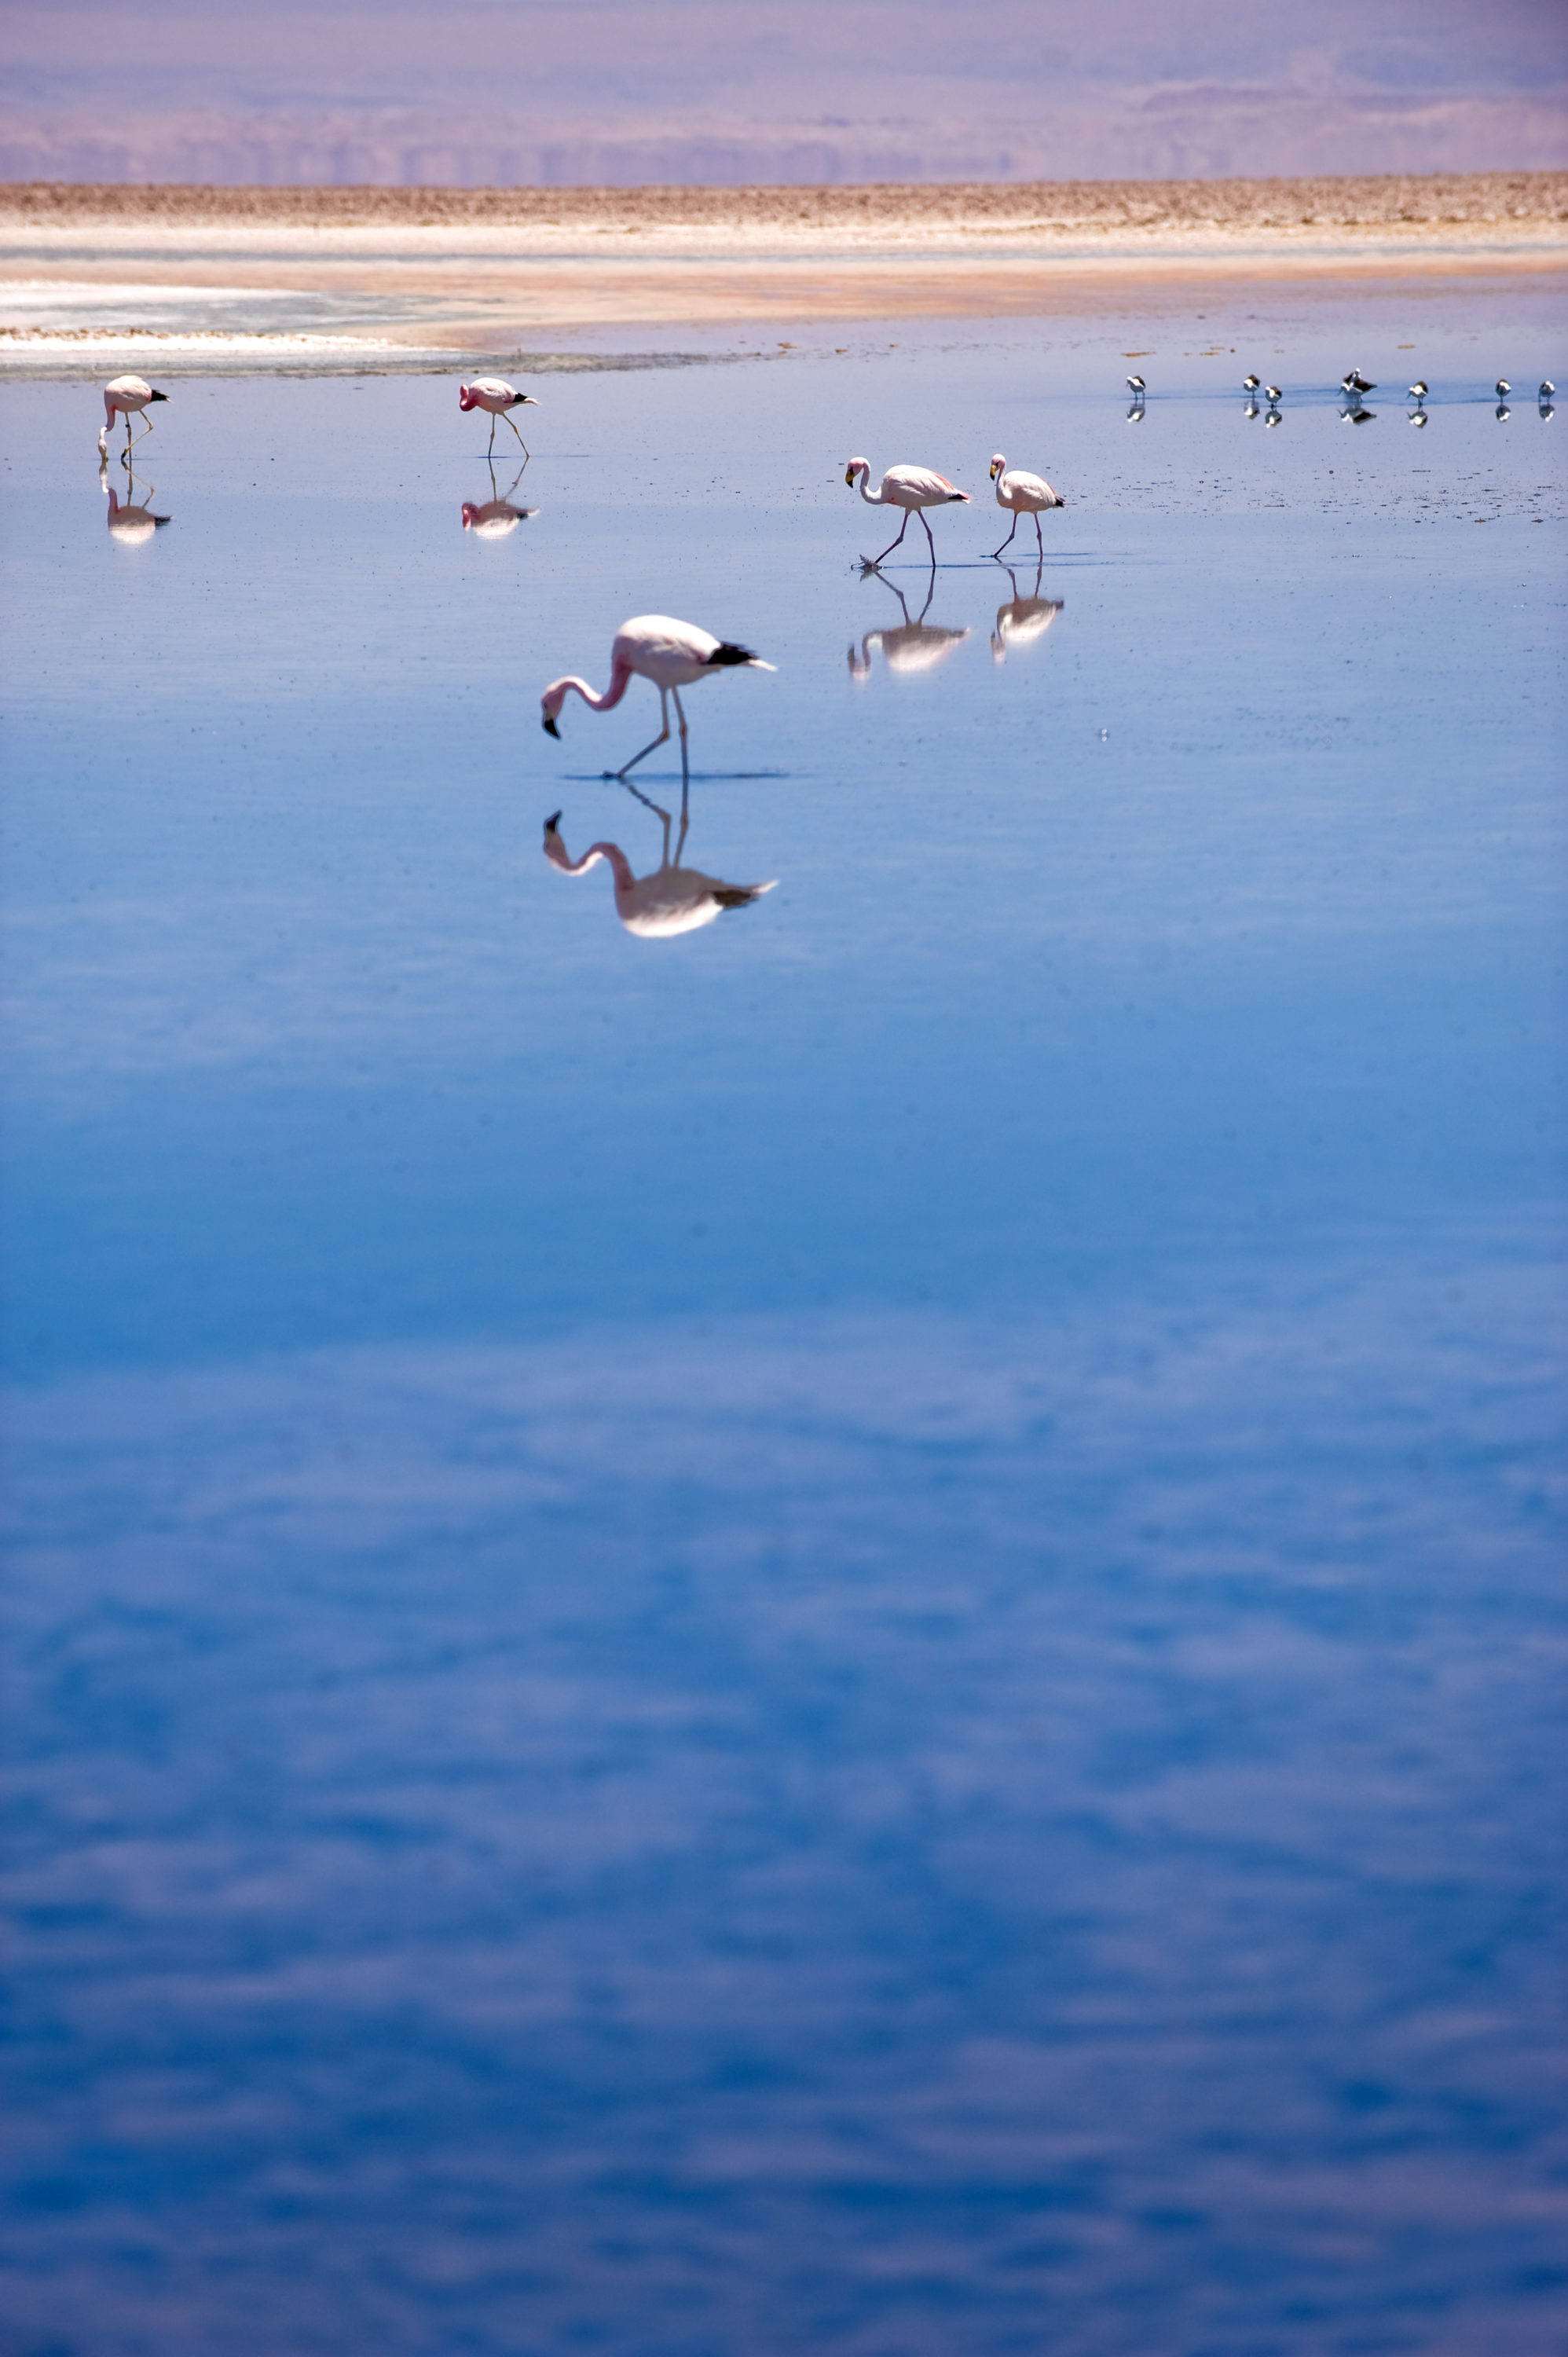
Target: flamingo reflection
670,899
1022,620
912,646
131,520
494,517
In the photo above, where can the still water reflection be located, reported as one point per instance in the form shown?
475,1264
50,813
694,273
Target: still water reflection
913,644
496,518
131,519
1022,621
670,899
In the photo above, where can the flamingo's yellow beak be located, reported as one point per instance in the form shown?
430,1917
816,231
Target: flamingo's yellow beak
849,477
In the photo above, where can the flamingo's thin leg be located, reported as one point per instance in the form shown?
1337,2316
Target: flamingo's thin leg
662,739
931,543
680,717
1008,542
1039,543
513,423
893,544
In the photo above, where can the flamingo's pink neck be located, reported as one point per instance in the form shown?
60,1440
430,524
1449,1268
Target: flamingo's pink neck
873,499
620,680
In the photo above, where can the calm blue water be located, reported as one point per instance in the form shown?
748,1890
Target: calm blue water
843,1634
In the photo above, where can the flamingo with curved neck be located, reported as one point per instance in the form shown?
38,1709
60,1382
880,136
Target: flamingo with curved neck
670,654
1024,494
913,489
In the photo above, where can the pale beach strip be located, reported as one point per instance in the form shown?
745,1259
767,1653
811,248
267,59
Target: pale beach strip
290,276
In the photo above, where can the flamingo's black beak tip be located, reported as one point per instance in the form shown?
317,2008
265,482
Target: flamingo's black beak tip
158,396
551,730
552,826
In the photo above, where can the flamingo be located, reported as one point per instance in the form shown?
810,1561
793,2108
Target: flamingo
672,654
672,899
1026,495
125,393
494,394
1021,620
913,489
492,519
911,646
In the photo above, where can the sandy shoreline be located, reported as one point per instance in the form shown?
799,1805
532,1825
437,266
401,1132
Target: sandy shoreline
461,269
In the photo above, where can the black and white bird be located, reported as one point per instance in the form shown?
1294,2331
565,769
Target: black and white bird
1250,383
1503,388
1354,381
1137,387
1417,390
1272,394
1547,388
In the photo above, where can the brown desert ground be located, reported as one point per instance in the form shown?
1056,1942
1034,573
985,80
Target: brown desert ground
479,265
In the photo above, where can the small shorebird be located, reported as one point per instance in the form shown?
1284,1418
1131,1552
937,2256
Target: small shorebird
1503,388
1547,388
1354,381
125,394
1026,495
494,394
1137,387
1250,383
913,489
1274,395
654,647
1417,390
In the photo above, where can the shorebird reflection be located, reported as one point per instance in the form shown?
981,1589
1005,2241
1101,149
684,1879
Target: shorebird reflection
492,519
910,646
131,520
670,899
1022,620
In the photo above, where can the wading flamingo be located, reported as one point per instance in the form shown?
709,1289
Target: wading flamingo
913,489
911,647
1022,620
672,899
494,394
125,394
1026,495
672,654
492,519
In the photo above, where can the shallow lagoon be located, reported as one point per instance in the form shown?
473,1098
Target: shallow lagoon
838,1634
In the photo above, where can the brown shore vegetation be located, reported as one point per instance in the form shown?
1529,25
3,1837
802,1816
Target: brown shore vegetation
1467,203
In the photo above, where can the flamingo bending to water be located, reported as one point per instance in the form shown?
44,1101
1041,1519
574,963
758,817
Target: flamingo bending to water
493,393
1025,494
655,647
124,394
913,489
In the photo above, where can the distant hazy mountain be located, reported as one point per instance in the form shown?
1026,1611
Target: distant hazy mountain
486,91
